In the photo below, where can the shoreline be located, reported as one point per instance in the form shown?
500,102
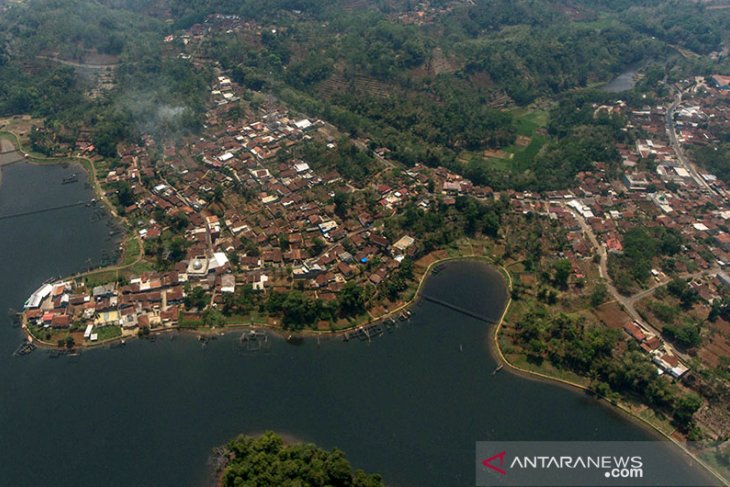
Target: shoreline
493,349
207,332
202,332
618,407
39,160
493,341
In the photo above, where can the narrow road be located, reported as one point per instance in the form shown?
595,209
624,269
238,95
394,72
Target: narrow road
626,302
635,298
677,146
75,64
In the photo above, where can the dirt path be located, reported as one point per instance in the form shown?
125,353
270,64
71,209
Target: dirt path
76,64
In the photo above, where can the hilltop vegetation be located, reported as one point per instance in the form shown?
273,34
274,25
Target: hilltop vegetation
152,94
430,81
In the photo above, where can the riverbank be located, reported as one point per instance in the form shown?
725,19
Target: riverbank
7,155
623,408
423,276
88,166
205,332
323,394
84,162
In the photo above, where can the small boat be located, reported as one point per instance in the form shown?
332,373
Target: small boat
499,367
24,349
70,179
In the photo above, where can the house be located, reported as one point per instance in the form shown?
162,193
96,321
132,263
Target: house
721,82
301,167
614,245
635,183
61,321
723,239
723,278
228,283
303,124
670,364
635,332
378,240
652,344
129,320
104,291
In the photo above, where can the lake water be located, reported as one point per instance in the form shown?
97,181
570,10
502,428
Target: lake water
410,405
623,82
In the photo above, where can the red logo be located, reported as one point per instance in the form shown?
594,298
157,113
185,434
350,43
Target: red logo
488,463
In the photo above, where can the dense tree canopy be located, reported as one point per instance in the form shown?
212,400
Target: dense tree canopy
429,91
267,461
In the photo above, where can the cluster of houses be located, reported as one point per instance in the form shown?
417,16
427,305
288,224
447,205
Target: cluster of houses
150,301
668,197
252,214
664,359
423,12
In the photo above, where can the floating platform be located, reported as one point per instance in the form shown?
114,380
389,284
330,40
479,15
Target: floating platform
24,349
252,341
70,179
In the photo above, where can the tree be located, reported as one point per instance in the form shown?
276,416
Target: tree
125,195
685,408
599,294
297,309
178,249
351,300
684,334
342,203
197,299
318,245
562,270
179,222
268,461
687,295
218,193
212,317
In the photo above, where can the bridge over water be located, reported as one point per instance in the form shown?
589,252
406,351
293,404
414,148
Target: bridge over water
459,309
44,210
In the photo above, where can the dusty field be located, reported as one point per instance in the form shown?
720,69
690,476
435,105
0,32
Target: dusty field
497,154
717,345
612,316
523,141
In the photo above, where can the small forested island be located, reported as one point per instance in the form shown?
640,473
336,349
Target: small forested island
268,460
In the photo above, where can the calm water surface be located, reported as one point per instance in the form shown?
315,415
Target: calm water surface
623,82
409,405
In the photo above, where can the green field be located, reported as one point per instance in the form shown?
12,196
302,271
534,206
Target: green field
527,123
107,332
131,251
